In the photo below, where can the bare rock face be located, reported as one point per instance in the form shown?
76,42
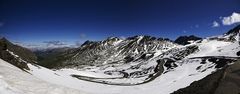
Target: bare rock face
224,81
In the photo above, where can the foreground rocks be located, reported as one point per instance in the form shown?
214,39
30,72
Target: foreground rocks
224,81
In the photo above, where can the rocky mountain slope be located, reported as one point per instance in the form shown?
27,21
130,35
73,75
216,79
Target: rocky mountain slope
111,50
24,55
116,50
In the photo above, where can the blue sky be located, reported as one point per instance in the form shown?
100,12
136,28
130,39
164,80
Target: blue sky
71,21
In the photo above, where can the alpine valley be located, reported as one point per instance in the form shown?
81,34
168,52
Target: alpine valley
134,65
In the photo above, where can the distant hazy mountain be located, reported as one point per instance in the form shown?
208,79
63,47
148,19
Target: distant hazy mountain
51,58
183,40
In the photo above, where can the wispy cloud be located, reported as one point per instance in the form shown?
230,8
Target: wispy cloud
44,45
54,43
232,19
215,24
27,45
82,36
196,26
184,31
2,24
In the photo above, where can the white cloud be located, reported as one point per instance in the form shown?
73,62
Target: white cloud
43,45
234,18
215,24
28,45
55,43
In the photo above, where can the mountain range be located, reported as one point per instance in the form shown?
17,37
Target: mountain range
138,64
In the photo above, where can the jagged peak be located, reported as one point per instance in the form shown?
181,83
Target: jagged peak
142,37
137,37
116,40
111,38
88,42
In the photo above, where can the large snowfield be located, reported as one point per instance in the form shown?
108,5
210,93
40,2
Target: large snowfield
41,80
16,81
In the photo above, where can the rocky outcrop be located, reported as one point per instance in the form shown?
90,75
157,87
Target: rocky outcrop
16,55
224,81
